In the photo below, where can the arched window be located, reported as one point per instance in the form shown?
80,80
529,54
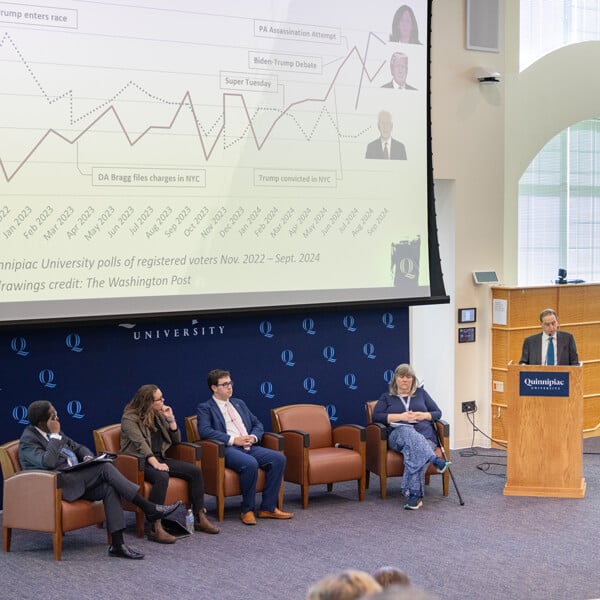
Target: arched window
551,24
559,193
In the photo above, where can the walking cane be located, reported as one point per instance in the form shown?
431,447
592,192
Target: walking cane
437,435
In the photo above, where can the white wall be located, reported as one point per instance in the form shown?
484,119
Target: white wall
431,327
468,163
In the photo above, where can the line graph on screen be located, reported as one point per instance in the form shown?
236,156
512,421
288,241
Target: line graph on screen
178,132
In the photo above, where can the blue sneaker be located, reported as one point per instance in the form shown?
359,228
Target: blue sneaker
440,464
413,503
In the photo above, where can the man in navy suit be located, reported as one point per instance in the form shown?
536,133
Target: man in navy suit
229,420
537,349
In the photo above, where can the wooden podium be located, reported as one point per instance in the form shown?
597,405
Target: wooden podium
545,441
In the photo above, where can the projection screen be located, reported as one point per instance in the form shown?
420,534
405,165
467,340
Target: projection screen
166,156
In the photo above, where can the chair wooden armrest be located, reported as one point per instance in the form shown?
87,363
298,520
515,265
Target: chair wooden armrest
213,466
443,429
130,467
185,451
376,448
295,441
191,429
375,433
273,441
296,451
382,430
211,449
349,435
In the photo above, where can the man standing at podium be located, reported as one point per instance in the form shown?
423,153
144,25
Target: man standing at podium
550,347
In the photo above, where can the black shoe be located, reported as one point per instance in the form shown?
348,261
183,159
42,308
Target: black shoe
162,510
123,551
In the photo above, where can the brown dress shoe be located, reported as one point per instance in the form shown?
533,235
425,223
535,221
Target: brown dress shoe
248,518
158,534
204,525
274,514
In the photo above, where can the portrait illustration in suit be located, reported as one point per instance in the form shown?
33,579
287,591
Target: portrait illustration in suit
385,147
399,71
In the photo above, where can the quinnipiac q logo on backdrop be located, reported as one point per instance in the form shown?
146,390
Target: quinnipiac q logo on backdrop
309,326
19,346
388,320
266,389
331,412
19,414
369,350
329,354
73,342
310,385
350,381
46,377
287,358
74,409
349,323
266,329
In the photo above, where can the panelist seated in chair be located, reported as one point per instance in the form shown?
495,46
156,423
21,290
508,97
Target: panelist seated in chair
44,446
229,421
550,346
148,430
408,410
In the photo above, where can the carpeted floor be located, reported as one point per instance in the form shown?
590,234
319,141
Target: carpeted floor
494,547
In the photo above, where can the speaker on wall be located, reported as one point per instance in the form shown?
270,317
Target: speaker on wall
483,25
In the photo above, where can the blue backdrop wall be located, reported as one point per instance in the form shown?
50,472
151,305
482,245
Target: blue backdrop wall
338,358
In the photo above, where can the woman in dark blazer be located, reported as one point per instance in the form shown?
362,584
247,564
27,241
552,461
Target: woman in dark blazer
148,430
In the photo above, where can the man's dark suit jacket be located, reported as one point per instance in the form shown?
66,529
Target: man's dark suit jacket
36,452
375,150
565,345
211,423
391,85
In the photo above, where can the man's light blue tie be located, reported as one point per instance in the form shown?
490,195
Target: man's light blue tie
550,353
71,456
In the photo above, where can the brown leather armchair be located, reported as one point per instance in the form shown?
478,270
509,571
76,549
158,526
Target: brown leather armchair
108,439
33,501
317,453
387,463
219,481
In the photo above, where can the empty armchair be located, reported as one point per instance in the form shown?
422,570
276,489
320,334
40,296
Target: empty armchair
33,501
387,463
219,481
317,453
